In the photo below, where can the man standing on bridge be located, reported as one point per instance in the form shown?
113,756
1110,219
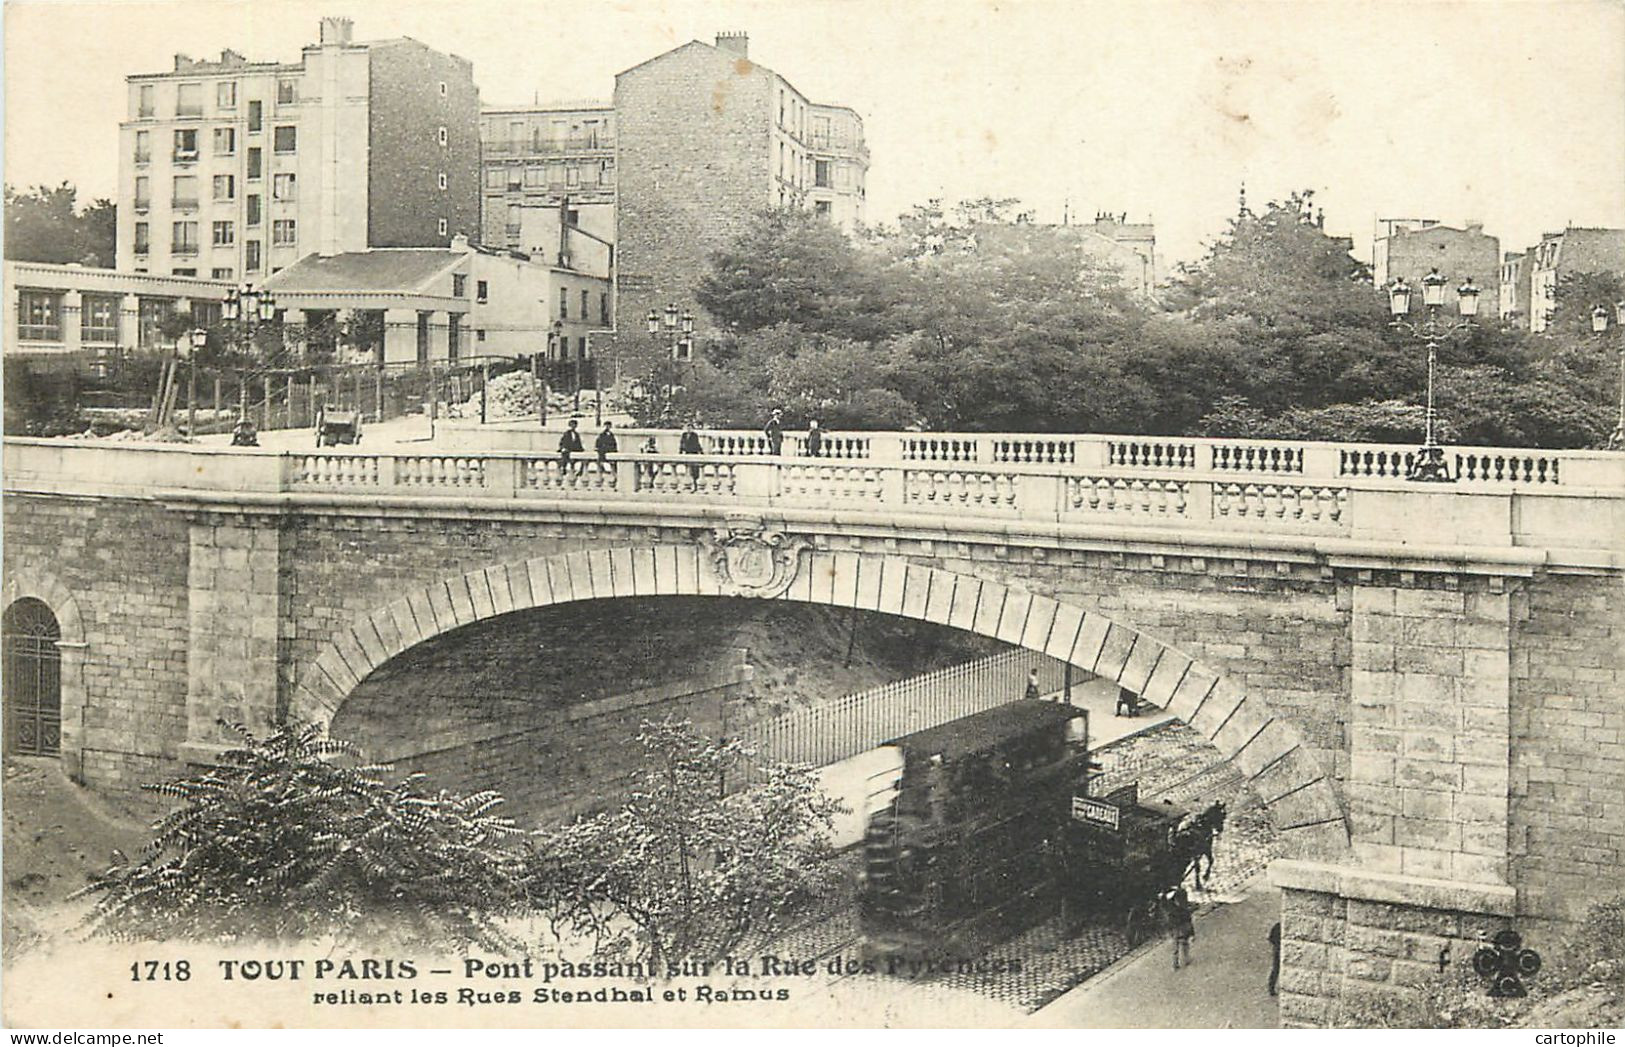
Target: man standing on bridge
774,431
605,445
569,445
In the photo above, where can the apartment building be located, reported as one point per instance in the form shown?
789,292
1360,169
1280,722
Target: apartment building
1577,249
547,166
706,139
233,169
1514,297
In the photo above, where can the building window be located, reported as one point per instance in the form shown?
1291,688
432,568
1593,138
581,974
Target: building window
286,138
190,270
459,285
454,335
98,318
186,145
39,316
606,173
572,175
821,174
603,309
282,232
442,179
479,334
255,162
442,89
224,234
251,256
495,178
585,298
225,141
423,337
185,191
821,207
284,187
287,92
440,227
256,116
143,147
143,238
146,102
225,187
189,100
253,216
143,192
220,272
482,291
225,95
185,238
441,135
564,303
515,217
535,176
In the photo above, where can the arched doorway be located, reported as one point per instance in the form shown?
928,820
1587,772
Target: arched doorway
32,678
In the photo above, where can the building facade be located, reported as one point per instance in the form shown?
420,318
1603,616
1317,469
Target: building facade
437,305
1458,255
545,166
706,141
1514,300
1576,249
233,169
74,314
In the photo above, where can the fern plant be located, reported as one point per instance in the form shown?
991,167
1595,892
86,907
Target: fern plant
291,836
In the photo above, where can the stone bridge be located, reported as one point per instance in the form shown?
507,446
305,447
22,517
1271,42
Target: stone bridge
1422,681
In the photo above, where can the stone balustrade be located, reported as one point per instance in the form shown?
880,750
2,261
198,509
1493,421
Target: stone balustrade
1248,490
1474,466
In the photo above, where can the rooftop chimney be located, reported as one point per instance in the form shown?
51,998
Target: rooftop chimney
183,62
1474,226
337,30
738,43
459,242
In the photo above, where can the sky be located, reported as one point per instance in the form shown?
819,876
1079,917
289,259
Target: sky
1507,113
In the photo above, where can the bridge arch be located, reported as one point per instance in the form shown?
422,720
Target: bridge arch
1269,750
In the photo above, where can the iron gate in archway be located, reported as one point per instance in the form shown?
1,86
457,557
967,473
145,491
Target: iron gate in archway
32,679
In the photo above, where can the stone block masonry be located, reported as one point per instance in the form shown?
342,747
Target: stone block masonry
1427,790
124,564
1567,773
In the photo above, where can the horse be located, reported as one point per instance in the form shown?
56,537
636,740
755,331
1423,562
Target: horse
1195,840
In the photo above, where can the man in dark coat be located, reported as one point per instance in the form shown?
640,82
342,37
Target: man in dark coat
569,445
815,439
1275,956
690,444
774,431
605,445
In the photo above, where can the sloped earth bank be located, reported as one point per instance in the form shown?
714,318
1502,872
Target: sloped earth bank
57,835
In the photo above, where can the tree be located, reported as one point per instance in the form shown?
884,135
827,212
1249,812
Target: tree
686,869
791,266
289,837
46,225
1579,293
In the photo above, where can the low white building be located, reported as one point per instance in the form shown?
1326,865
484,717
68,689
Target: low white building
75,314
443,304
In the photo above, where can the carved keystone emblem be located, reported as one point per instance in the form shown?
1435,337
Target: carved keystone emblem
751,559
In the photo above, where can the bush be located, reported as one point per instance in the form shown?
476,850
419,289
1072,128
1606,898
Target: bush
289,837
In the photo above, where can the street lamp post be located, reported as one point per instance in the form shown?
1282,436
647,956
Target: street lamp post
679,337
245,308
1599,324
200,338
1429,465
